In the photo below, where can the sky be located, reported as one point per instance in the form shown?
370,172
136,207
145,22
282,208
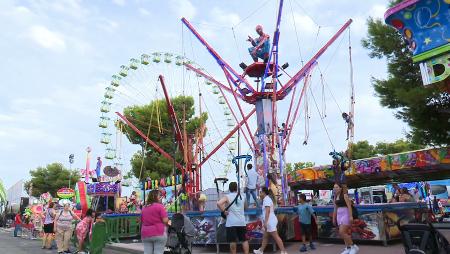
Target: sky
58,57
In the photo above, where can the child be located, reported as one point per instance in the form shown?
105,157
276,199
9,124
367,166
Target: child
305,212
37,223
83,228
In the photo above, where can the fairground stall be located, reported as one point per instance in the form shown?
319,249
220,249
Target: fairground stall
377,222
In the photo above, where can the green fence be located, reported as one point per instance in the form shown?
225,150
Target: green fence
122,226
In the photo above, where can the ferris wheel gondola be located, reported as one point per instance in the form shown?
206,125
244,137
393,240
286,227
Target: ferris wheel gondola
137,84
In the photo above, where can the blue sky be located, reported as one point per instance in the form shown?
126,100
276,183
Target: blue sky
58,56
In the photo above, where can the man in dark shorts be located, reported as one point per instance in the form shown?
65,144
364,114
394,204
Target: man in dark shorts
235,224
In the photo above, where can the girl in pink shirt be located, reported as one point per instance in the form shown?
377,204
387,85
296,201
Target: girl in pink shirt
154,221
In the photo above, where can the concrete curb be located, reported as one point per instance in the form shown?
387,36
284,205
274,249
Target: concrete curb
122,249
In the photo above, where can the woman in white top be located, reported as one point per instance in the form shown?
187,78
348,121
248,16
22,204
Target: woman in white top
270,222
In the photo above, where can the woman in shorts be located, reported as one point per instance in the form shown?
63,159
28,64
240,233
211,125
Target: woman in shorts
343,218
270,222
49,217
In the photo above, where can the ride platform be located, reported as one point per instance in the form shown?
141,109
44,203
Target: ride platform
257,69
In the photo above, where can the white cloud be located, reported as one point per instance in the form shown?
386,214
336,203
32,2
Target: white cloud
22,10
144,12
377,11
224,18
304,23
47,39
71,8
183,8
108,25
119,2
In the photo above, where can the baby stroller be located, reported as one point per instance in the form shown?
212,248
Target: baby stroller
423,239
180,235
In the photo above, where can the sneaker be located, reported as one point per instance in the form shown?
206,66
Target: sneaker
312,246
258,251
303,248
346,250
354,249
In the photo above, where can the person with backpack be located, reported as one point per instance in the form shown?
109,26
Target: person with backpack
233,206
64,229
305,212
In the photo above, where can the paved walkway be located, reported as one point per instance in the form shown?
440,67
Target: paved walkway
17,245
322,248
14,245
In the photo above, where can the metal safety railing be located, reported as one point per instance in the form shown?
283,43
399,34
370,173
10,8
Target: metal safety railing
122,226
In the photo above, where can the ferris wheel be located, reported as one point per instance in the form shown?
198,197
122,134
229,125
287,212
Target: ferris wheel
138,83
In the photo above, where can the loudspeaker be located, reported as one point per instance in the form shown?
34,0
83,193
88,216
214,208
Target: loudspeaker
24,202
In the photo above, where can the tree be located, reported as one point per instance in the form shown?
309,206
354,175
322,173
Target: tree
362,149
50,179
398,146
153,119
2,193
425,109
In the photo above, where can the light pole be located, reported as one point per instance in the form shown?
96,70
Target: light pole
71,159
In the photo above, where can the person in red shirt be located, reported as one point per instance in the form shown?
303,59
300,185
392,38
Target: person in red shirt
18,225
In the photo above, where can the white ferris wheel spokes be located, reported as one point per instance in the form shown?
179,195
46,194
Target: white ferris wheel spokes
137,84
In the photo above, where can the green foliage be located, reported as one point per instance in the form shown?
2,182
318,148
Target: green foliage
153,119
292,167
2,193
398,146
50,179
425,109
362,149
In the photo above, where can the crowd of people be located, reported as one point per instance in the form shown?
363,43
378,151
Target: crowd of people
56,225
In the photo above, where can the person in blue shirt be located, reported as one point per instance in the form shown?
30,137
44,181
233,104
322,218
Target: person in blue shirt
261,45
305,212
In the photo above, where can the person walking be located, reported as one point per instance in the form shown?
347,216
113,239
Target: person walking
270,222
154,222
63,228
343,218
48,227
17,225
234,208
305,212
252,179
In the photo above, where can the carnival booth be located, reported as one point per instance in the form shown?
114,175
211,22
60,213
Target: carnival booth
377,222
